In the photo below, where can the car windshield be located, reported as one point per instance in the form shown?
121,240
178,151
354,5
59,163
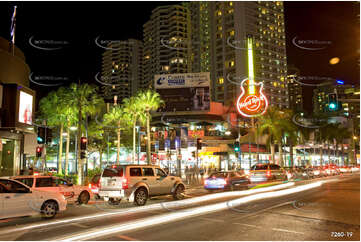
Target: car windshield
110,172
259,167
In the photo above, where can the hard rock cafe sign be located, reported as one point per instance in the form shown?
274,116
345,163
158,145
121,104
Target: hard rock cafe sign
252,101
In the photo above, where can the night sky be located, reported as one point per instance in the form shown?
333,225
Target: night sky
78,24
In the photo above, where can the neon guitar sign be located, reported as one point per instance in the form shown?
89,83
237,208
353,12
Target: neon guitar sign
252,101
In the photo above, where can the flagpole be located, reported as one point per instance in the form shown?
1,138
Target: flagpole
12,30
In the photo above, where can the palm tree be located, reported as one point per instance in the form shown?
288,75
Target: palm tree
69,110
286,128
149,100
97,140
51,111
268,125
133,111
303,136
342,135
331,134
88,102
115,116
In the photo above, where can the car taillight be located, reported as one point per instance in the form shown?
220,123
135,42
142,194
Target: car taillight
125,183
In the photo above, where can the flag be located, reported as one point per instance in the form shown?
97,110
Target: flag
12,27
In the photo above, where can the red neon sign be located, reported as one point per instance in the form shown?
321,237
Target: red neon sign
252,103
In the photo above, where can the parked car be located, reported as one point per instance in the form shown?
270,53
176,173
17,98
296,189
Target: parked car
226,180
267,172
136,183
18,200
73,193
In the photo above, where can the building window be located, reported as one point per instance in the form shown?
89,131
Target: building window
220,80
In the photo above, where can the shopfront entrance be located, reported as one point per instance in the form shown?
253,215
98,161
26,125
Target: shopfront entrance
9,157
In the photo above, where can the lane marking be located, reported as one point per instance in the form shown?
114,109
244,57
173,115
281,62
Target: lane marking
287,231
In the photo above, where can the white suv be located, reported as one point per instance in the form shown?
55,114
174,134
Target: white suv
72,193
136,183
18,200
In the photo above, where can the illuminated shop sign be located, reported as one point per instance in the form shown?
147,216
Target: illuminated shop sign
252,101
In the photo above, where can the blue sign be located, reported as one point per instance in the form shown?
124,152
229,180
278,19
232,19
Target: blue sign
339,82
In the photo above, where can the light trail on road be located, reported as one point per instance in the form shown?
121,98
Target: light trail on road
158,206
183,214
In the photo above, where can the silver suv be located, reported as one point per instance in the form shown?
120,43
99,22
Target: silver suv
136,183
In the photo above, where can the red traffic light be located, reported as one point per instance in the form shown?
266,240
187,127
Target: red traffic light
38,149
83,143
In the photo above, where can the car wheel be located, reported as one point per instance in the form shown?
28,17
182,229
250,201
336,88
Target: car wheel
49,209
83,198
140,197
178,193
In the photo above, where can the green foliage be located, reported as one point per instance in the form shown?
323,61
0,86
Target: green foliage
73,178
92,173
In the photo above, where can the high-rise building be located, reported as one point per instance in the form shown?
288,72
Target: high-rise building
219,33
122,72
294,89
167,41
211,37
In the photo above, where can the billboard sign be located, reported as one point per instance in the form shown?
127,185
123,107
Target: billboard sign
184,91
25,108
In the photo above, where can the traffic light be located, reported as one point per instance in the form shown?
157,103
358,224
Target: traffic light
82,154
41,135
236,146
199,144
83,143
332,102
38,151
49,135
44,134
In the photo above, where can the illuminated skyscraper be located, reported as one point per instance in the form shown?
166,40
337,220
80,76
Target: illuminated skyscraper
219,32
167,41
122,69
